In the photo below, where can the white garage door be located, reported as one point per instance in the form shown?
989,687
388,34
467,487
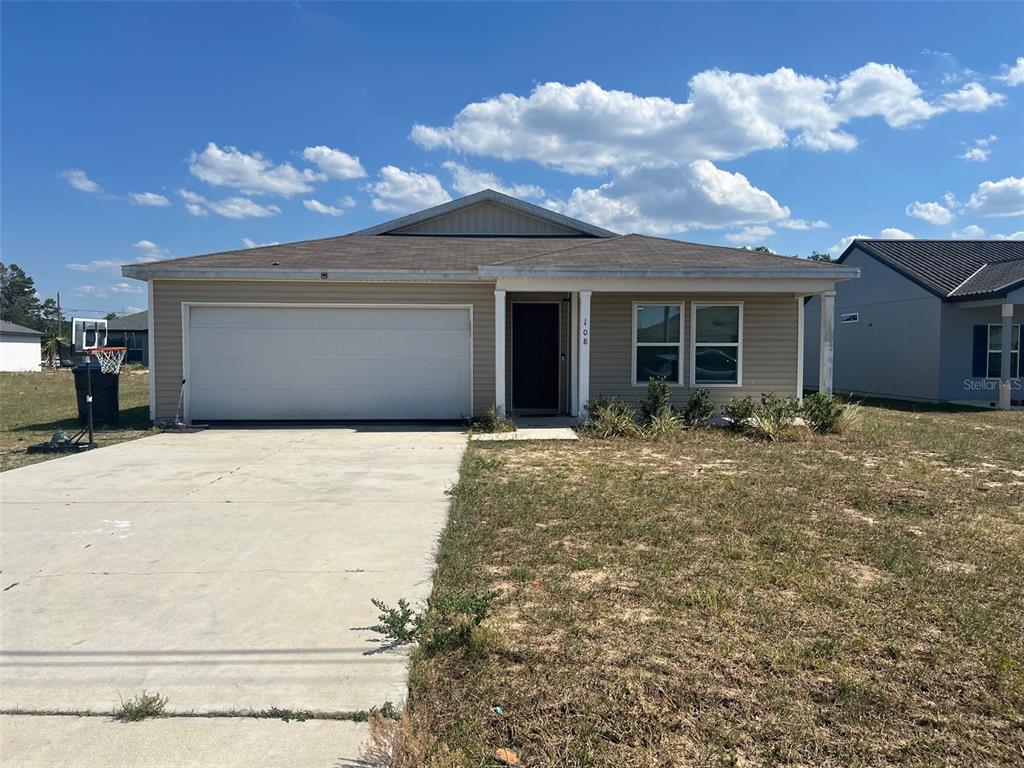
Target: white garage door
328,363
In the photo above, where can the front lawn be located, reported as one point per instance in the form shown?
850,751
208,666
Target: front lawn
715,601
35,405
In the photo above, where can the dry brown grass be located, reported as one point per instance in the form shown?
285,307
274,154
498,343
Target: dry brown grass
35,405
711,600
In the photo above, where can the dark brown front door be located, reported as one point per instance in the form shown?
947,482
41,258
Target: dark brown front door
535,356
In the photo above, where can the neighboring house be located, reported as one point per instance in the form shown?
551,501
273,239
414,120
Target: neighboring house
20,347
929,320
131,331
483,301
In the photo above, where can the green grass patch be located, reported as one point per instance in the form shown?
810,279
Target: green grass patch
711,600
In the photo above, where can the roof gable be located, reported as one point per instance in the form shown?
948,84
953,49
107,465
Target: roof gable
487,214
953,270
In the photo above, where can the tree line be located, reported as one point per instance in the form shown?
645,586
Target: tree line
19,301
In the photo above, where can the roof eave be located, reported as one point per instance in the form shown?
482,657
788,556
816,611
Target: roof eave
816,273
168,272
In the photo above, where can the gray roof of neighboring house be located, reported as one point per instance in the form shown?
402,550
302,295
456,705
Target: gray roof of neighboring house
7,327
138,321
490,257
954,270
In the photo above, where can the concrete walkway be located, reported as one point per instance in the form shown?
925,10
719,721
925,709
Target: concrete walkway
227,570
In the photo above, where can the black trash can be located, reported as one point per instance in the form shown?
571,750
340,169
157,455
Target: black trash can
105,407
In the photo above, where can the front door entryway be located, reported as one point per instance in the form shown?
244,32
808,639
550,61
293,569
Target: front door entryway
535,356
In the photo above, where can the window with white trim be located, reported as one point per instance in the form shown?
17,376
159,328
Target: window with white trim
850,317
717,354
995,351
657,342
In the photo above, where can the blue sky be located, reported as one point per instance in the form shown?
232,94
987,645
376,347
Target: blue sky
149,130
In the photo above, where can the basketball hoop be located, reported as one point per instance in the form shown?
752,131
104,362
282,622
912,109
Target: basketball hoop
109,358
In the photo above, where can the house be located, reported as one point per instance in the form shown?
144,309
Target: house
929,320
132,332
20,348
483,301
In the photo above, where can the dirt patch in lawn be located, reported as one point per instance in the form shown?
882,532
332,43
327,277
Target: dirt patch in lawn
711,601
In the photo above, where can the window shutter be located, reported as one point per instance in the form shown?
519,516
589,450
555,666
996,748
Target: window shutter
979,368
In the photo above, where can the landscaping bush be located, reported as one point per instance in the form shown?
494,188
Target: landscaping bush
492,421
738,412
699,409
657,402
664,424
822,412
772,417
611,419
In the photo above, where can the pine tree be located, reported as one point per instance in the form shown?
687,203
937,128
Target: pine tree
18,300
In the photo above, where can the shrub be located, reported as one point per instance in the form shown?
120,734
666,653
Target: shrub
738,412
492,421
611,419
772,416
699,409
140,707
657,402
849,420
822,412
664,424
399,626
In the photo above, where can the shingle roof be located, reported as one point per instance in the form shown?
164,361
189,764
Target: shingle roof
138,321
381,252
952,269
631,252
452,253
6,326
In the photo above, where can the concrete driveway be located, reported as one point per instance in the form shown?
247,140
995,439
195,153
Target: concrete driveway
228,570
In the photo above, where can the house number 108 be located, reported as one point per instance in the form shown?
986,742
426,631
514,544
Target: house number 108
586,333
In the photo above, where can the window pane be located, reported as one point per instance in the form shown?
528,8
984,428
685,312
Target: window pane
1015,339
718,324
660,362
717,365
995,360
657,323
995,338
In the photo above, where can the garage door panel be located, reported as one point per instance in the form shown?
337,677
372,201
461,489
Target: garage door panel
329,363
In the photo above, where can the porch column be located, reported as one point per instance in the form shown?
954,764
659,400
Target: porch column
574,353
828,332
499,351
583,378
1007,347
800,348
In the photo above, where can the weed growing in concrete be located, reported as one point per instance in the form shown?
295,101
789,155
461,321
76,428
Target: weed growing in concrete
140,707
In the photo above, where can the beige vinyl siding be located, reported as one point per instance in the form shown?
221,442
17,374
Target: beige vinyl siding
564,332
168,296
485,219
769,344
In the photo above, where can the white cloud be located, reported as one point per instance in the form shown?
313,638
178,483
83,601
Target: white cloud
149,198
196,210
673,199
241,208
973,97
193,202
1011,236
970,232
335,163
585,128
933,213
248,242
844,243
252,174
404,191
329,210
750,235
892,233
103,291
96,265
466,181
149,251
800,224
975,154
1013,74
78,179
998,198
